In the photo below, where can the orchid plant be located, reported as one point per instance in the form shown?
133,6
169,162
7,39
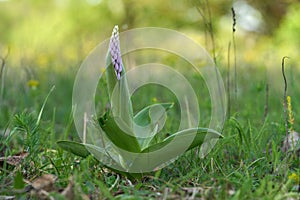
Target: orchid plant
132,133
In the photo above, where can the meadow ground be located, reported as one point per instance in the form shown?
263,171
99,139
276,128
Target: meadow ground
36,86
247,163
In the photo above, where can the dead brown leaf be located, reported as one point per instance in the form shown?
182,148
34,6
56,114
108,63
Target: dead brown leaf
14,160
68,192
42,185
44,182
7,197
291,142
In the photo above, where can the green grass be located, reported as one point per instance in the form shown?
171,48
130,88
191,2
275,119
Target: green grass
246,164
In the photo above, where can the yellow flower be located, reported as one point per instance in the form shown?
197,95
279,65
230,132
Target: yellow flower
290,112
42,60
154,99
294,177
33,84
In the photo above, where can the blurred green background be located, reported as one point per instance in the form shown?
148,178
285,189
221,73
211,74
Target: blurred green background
48,40
60,33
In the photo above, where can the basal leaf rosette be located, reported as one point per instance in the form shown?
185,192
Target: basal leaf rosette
126,142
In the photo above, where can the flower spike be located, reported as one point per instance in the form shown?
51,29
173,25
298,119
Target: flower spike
115,52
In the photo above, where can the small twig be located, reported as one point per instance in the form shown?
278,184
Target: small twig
285,102
228,79
233,19
115,183
234,55
198,4
2,66
201,8
84,128
3,62
188,111
211,32
285,94
207,18
166,192
2,78
266,102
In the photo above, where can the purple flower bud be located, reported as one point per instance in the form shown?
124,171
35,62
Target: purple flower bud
115,52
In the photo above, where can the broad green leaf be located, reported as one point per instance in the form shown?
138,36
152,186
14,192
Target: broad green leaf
119,95
120,137
149,121
84,150
74,147
181,135
101,154
143,117
160,154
